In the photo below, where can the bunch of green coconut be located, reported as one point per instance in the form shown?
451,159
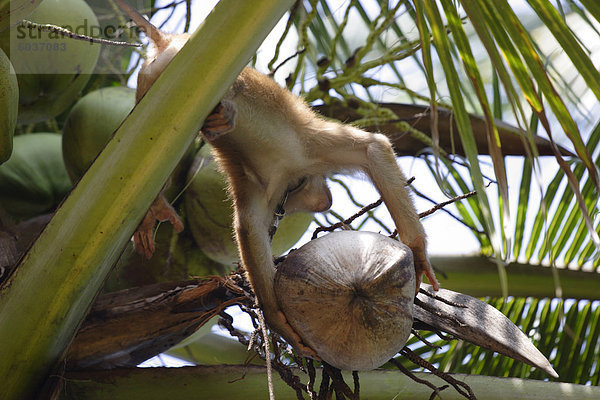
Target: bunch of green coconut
60,115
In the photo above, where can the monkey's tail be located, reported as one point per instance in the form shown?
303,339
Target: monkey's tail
155,34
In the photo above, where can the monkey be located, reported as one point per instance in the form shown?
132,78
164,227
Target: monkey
275,151
164,47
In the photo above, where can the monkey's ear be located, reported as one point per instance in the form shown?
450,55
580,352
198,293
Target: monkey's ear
220,121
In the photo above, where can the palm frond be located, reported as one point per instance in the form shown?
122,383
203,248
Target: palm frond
500,67
570,345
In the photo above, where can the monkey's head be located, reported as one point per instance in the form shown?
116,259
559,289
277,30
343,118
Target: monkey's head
311,194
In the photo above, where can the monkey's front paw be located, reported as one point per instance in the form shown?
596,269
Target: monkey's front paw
220,121
290,335
424,268
160,210
422,265
143,238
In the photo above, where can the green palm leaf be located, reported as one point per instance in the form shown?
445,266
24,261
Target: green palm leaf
552,229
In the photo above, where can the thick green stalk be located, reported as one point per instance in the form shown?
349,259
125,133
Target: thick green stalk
249,382
47,297
478,276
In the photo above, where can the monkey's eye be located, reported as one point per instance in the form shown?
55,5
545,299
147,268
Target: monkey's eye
299,186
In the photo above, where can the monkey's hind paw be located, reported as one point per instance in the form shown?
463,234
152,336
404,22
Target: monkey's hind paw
220,121
160,210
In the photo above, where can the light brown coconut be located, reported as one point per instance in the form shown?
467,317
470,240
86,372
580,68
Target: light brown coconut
349,295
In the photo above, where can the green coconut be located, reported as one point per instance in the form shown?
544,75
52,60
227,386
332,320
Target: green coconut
91,123
176,258
209,213
12,11
51,70
9,103
34,180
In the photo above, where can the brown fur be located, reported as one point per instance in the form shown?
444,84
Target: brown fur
267,141
277,140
